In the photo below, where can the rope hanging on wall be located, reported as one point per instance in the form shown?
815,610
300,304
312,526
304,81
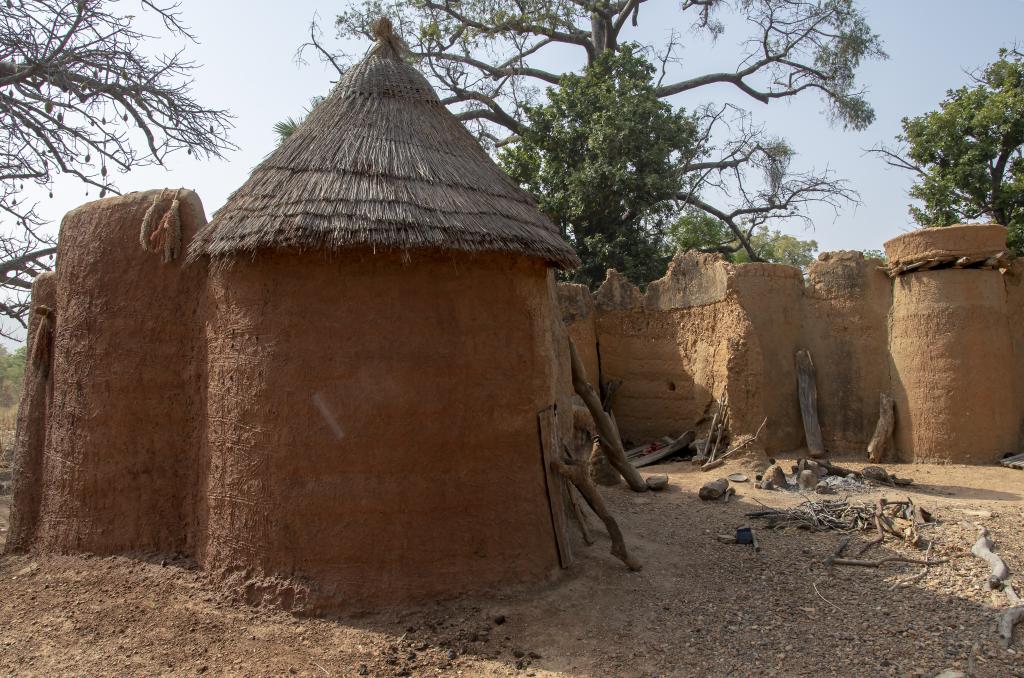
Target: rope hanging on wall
165,237
43,339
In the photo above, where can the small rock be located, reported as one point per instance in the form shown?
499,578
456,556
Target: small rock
657,482
452,654
950,673
824,488
362,670
521,664
499,619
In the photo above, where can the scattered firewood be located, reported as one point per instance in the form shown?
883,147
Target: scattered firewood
1007,621
882,438
741,442
983,549
808,395
888,559
611,441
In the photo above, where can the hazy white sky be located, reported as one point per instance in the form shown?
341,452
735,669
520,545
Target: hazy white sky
247,53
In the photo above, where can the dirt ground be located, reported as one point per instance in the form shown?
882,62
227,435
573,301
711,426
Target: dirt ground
698,608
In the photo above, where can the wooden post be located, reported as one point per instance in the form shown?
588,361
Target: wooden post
556,487
808,393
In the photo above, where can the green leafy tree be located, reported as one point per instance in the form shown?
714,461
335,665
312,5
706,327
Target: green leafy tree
606,158
484,59
695,230
967,155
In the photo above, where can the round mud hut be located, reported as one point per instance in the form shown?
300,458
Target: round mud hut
950,345
383,336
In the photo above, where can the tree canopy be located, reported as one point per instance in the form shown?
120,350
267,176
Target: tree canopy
486,59
79,96
606,158
695,230
967,154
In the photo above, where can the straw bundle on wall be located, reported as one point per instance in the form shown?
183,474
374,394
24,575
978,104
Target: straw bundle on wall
382,163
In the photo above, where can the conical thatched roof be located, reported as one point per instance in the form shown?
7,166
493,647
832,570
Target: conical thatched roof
381,163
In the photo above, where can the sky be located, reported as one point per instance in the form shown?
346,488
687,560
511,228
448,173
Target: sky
247,50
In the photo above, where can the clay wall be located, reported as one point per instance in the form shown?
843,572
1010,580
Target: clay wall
123,435
947,344
674,348
30,431
579,315
1014,280
846,308
952,360
383,442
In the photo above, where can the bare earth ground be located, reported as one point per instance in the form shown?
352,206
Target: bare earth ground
698,608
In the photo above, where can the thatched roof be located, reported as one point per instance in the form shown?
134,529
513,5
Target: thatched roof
381,163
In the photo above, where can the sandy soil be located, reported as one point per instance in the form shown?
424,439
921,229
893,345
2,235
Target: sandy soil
698,608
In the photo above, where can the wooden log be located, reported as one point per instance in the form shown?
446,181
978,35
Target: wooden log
808,394
983,549
581,519
611,442
882,438
1007,621
580,477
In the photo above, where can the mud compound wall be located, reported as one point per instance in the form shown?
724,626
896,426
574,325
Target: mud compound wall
381,444
579,315
671,358
123,431
30,431
709,326
846,315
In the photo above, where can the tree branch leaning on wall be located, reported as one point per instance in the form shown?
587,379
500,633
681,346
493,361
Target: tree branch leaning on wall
79,97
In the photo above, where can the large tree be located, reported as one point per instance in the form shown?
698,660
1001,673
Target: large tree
485,58
79,96
606,158
967,156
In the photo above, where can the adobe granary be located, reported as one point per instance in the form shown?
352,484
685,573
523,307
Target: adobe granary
335,401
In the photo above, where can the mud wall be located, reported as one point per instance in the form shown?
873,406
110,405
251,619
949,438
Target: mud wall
579,315
952,375
670,348
30,431
846,315
124,423
382,443
709,326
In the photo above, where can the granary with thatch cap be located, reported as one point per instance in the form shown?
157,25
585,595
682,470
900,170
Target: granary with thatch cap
382,338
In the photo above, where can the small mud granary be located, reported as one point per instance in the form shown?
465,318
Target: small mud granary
334,402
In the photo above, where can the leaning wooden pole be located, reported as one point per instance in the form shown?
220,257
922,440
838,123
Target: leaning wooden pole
609,433
808,393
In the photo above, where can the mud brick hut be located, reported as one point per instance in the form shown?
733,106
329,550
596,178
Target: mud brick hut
380,357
